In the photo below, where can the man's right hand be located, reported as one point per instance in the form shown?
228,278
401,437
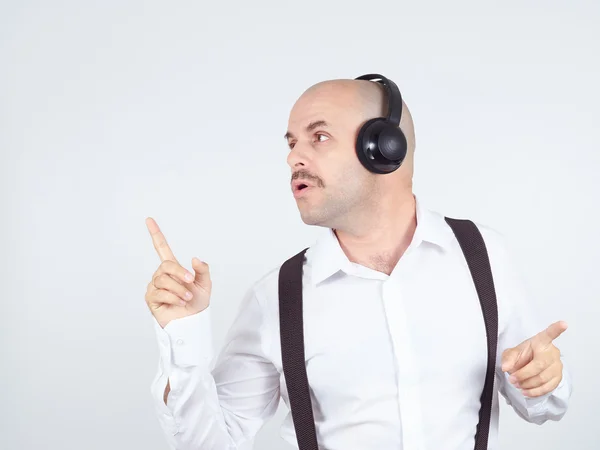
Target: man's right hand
174,292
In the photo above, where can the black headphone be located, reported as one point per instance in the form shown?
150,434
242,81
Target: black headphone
381,145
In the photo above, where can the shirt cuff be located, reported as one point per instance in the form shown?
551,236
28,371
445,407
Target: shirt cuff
186,342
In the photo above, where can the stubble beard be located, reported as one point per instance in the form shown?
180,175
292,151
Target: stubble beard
339,210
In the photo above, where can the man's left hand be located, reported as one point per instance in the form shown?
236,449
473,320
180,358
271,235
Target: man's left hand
534,365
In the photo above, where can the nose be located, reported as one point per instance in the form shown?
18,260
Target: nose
298,156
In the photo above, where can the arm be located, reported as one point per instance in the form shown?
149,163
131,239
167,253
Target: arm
521,322
222,408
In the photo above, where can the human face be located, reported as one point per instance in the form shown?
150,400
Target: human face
322,131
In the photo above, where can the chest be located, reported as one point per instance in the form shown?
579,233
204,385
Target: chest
365,337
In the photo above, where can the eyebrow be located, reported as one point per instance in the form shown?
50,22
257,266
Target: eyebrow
310,127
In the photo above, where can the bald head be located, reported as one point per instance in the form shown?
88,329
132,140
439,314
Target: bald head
366,99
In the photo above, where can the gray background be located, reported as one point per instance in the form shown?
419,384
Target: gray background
114,111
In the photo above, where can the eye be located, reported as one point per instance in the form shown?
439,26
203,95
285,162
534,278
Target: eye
321,134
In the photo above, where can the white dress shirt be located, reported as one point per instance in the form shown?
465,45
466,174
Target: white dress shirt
393,362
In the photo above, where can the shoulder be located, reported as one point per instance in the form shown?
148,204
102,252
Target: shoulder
266,287
266,282
497,248
496,242
494,239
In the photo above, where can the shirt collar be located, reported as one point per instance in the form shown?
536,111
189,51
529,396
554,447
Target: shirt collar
326,256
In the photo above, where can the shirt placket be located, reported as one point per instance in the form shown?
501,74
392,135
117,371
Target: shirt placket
406,366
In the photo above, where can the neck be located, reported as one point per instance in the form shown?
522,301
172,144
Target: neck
383,235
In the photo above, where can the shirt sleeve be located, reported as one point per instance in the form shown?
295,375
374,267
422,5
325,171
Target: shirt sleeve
521,320
222,406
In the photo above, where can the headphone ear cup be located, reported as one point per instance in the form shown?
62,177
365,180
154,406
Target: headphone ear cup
365,144
392,143
380,146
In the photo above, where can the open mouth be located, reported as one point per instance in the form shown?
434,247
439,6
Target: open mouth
300,189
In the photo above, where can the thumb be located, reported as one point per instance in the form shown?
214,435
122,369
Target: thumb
202,273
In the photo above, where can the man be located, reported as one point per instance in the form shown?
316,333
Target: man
395,343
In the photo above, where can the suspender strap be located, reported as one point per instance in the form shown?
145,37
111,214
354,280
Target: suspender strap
473,247
291,326
292,333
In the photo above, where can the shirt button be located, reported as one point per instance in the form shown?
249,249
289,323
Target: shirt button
179,341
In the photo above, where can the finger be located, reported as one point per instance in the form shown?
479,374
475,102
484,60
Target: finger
509,359
202,271
175,270
535,367
517,357
554,331
543,389
540,379
161,297
168,283
159,241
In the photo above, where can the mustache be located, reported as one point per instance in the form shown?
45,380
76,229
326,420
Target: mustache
305,175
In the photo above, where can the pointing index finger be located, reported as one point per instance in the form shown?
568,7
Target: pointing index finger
159,241
554,331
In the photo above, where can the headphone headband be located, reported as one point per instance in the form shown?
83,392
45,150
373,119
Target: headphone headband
393,94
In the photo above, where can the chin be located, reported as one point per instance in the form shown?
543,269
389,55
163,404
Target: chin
308,219
313,218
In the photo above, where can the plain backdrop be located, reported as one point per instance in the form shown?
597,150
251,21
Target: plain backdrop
114,111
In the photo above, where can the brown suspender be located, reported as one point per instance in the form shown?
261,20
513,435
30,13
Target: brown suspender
292,333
